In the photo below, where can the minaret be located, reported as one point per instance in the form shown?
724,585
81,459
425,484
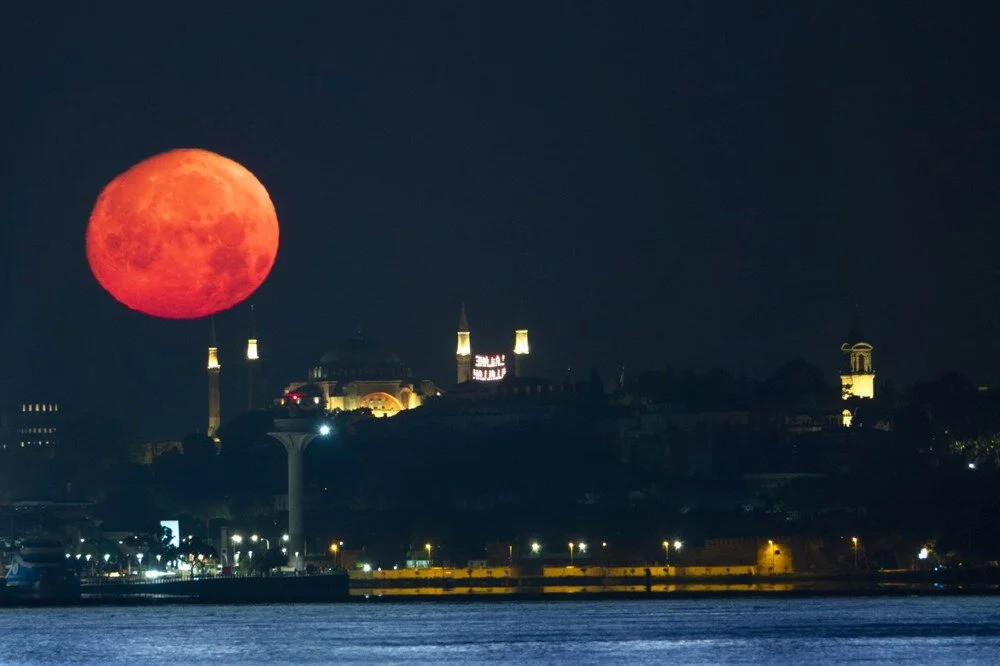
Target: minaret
463,352
520,350
253,367
214,414
858,378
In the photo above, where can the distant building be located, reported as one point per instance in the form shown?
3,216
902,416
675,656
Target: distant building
858,378
361,373
489,367
145,453
31,426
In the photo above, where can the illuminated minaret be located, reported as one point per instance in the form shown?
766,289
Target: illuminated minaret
214,413
253,367
520,350
463,352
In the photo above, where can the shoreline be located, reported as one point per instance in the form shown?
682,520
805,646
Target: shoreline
371,596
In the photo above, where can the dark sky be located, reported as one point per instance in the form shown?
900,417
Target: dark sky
694,185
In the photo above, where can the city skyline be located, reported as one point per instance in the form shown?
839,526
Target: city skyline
662,188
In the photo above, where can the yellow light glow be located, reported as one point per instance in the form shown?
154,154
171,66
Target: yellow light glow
464,347
521,341
252,350
213,358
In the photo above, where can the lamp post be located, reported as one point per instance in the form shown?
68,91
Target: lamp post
139,557
854,544
335,549
427,547
571,547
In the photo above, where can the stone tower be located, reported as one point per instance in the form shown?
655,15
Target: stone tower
214,369
463,352
858,377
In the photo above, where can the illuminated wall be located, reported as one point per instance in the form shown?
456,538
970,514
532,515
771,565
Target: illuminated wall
774,558
859,379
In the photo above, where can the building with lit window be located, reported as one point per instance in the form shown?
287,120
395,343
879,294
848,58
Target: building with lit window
31,426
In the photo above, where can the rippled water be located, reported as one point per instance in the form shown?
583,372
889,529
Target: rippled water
925,629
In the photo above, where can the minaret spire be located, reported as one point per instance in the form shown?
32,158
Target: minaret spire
463,351
253,366
214,369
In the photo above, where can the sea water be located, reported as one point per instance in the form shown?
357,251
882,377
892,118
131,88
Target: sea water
817,630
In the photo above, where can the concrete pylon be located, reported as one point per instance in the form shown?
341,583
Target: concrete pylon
295,435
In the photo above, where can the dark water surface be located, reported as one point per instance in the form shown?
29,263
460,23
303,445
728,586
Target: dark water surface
824,630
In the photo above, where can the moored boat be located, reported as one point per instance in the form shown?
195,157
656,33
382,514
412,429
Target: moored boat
41,570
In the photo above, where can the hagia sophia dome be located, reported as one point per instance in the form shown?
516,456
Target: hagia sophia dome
359,358
363,373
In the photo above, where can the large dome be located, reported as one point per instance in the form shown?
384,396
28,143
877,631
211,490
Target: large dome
359,358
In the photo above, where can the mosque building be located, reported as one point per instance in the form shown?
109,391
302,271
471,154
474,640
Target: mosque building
492,366
362,373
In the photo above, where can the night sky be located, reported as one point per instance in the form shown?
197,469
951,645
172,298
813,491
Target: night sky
696,185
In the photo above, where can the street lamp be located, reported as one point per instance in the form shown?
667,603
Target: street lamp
666,552
139,557
237,539
335,549
854,544
571,547
536,548
284,537
427,547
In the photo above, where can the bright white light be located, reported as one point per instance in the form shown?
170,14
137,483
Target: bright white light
583,547
324,430
284,537
923,554
536,547
678,545
367,568
972,465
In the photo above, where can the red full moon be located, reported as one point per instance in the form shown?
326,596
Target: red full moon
182,235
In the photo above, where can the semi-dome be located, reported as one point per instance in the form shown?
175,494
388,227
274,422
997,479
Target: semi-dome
359,358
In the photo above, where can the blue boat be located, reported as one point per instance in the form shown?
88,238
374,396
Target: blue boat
40,570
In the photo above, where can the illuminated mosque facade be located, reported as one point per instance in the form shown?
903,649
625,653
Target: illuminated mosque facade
362,373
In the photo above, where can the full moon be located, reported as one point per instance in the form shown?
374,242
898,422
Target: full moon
182,235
